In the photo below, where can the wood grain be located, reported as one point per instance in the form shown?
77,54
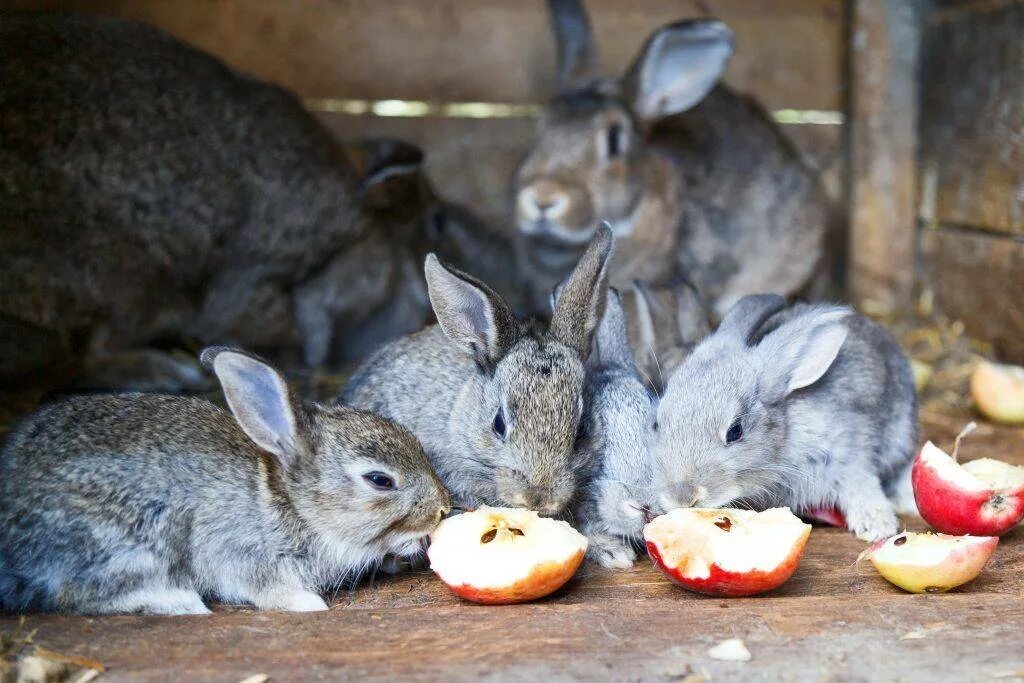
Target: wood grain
790,52
883,166
972,116
979,278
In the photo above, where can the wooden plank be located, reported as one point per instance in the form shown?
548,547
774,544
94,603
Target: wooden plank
972,113
832,620
790,51
882,129
979,278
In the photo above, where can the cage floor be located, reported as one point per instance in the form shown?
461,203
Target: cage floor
834,620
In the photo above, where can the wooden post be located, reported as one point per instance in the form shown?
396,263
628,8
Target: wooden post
882,120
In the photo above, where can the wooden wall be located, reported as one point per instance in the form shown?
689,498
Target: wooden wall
971,211
790,55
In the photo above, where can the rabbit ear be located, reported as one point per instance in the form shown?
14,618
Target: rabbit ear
469,312
574,42
801,350
388,169
678,66
259,399
748,314
692,320
581,304
612,341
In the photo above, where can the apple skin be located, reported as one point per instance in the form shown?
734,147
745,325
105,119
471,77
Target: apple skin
958,568
544,580
831,515
998,392
950,509
726,584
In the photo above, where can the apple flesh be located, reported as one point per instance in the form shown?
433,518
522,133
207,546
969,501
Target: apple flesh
727,552
931,563
499,556
983,497
998,392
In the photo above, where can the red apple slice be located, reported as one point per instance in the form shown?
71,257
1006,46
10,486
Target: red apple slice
498,556
931,563
983,497
727,552
998,392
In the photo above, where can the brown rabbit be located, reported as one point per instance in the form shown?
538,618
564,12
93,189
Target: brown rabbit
150,193
693,178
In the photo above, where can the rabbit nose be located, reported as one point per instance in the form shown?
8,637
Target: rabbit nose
544,200
681,495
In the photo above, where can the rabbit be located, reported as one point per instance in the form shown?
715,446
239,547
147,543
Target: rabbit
495,400
694,178
811,406
618,421
665,325
152,194
145,503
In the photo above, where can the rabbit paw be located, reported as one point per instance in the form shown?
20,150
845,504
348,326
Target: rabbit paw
291,600
611,551
872,524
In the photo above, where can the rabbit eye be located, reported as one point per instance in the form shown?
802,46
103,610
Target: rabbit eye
379,480
735,433
498,426
615,140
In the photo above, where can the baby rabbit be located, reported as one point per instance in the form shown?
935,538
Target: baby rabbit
496,401
145,503
809,406
618,419
694,178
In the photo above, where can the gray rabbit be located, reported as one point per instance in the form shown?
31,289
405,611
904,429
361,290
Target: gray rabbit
495,400
618,418
150,194
809,406
123,503
694,179
665,324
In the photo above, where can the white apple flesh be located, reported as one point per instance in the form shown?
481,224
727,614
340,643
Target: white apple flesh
983,497
931,563
727,552
498,556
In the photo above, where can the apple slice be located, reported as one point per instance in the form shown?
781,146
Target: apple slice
727,552
931,563
998,392
499,556
983,497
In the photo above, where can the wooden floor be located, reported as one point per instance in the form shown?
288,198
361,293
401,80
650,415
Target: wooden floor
834,620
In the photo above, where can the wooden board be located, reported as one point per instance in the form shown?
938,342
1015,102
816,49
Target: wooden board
790,52
972,115
979,278
833,621
883,154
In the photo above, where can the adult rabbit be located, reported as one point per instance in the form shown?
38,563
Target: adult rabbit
694,179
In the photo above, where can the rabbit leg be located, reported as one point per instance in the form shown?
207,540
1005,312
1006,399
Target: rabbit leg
611,551
287,598
156,599
869,513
